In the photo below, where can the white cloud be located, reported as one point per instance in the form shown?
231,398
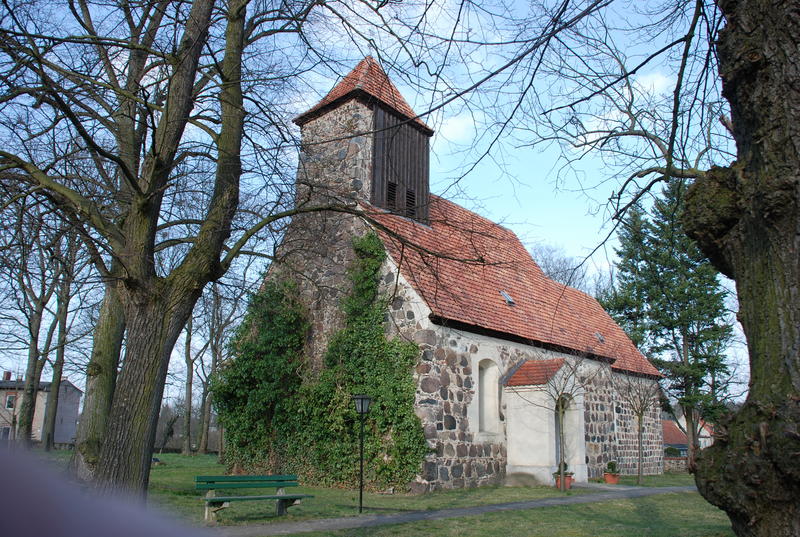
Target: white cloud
654,84
457,129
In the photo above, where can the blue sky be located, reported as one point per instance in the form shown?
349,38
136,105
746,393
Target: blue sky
520,187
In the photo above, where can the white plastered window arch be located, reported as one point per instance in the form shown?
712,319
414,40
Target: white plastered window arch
488,397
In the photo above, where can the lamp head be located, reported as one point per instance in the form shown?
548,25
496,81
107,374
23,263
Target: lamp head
362,402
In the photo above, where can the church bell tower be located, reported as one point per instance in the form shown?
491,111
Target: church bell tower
363,142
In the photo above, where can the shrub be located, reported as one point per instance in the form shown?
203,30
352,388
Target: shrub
308,424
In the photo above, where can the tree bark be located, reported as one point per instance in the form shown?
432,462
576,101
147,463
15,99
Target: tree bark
205,420
33,371
640,439
216,351
154,324
51,408
560,411
221,446
746,218
187,395
62,310
689,415
157,308
101,380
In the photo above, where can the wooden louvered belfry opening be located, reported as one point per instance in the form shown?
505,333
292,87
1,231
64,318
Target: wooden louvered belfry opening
400,166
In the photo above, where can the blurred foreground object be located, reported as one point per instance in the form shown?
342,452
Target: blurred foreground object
38,501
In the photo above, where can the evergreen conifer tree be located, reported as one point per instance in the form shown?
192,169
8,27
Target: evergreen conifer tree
670,301
626,299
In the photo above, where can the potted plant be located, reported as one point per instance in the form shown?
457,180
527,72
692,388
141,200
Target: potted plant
611,475
562,469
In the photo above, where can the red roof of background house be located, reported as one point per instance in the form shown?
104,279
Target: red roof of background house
707,427
367,77
535,372
462,262
673,433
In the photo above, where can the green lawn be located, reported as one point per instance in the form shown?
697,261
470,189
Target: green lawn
664,480
669,515
172,489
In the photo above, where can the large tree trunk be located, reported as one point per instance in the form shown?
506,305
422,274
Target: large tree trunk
101,379
746,218
156,309
216,351
154,323
205,420
33,371
51,408
693,444
187,394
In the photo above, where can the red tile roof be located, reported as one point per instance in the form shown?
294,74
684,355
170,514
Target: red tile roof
535,372
673,433
707,427
367,78
461,263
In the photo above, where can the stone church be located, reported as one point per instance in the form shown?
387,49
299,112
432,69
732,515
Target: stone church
497,337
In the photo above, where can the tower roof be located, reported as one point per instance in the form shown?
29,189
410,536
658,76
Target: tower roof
368,80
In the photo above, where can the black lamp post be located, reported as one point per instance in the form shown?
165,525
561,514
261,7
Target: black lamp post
362,407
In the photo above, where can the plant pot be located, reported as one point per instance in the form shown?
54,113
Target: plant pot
611,479
567,481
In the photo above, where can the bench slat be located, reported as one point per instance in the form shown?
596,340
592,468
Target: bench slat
251,485
220,499
238,478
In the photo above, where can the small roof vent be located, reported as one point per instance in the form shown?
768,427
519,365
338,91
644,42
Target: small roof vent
508,299
599,337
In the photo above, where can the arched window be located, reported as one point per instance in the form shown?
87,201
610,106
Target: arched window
489,397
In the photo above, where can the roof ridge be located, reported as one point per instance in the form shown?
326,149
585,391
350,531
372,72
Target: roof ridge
474,214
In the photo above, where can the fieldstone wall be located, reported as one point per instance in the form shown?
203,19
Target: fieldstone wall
335,163
445,389
334,169
676,465
627,443
611,429
460,457
600,439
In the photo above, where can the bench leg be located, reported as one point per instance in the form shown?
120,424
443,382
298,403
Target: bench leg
212,508
211,511
283,505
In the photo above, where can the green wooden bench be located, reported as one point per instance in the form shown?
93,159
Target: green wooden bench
215,502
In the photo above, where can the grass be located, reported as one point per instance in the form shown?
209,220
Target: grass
172,489
669,515
664,480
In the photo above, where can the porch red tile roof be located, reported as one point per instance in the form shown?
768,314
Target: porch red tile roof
535,372
461,263
366,78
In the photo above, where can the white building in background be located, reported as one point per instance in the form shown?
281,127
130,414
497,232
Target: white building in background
69,400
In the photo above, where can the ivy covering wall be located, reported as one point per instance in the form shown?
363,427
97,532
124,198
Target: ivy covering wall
278,418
